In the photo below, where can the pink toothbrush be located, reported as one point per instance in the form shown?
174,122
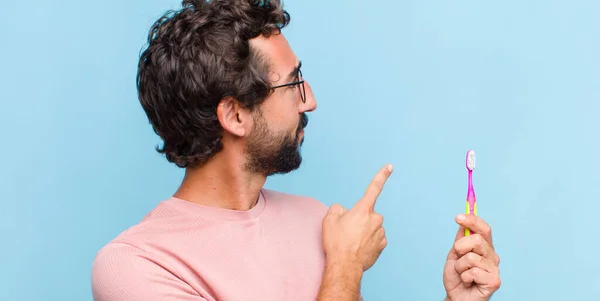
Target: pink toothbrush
471,204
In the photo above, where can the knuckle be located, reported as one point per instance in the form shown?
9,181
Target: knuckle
478,239
466,276
470,220
334,212
496,283
482,259
336,208
472,257
377,218
455,246
487,231
378,184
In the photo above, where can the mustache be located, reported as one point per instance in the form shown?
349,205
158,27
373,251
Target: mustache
303,122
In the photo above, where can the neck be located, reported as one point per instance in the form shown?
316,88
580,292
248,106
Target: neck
221,183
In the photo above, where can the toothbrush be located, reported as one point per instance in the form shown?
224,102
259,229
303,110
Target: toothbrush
471,204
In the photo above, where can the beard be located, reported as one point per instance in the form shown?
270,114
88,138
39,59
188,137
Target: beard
270,153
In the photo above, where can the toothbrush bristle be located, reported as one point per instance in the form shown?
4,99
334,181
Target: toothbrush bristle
471,160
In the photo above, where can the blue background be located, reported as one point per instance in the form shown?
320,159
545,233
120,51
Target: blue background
413,83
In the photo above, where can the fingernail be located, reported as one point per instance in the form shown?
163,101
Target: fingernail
390,168
461,217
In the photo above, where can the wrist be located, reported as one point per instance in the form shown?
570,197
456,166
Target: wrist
344,263
341,279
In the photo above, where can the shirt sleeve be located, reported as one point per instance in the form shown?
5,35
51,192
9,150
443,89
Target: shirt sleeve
122,272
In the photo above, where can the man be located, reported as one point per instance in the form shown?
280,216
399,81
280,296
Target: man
225,92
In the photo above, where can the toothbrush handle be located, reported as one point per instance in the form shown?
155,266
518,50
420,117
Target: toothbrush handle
469,210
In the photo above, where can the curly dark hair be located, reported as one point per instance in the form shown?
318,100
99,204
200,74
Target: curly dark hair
197,56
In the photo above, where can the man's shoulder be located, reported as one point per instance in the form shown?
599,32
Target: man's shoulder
123,270
139,238
156,221
133,252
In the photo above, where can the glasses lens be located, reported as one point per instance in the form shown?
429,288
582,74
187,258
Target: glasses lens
302,90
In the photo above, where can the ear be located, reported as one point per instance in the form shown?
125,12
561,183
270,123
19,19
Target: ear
233,118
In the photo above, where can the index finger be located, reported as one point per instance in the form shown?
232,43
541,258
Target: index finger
375,187
477,225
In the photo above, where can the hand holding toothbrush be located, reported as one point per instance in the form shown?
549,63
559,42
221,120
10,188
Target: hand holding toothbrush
471,271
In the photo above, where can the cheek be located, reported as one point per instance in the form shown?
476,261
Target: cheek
283,117
282,112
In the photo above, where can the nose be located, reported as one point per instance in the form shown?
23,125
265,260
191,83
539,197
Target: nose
311,103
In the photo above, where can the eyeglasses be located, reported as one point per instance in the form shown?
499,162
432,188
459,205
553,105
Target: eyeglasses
300,84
